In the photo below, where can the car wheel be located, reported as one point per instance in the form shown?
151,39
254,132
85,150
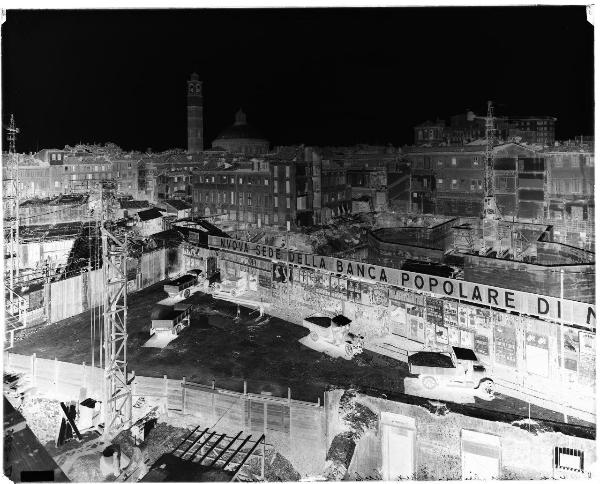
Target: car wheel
349,350
314,336
429,382
186,293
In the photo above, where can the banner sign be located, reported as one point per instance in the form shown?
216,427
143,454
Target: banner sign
546,307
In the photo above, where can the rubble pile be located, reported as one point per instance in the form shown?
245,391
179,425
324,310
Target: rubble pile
358,419
277,468
43,417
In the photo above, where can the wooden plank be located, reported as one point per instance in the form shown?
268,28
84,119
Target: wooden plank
70,419
184,440
247,456
233,439
191,458
194,442
236,451
209,450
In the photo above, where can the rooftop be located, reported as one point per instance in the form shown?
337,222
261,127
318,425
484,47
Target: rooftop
150,214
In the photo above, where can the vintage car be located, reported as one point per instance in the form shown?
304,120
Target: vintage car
182,285
459,368
233,287
335,331
170,318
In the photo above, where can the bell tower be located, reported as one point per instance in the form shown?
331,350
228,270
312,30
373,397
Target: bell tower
195,129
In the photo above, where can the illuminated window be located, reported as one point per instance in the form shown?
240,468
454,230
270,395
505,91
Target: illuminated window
454,184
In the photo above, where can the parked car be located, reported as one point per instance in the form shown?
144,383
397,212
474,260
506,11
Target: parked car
182,285
170,318
234,287
459,368
335,331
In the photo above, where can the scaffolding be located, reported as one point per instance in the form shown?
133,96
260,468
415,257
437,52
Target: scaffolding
117,393
15,316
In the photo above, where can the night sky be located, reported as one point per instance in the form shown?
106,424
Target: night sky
321,77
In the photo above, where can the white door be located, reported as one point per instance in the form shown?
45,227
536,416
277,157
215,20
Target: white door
398,447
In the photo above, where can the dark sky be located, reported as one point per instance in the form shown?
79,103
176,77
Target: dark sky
323,76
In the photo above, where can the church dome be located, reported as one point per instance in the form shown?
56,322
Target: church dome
241,138
240,129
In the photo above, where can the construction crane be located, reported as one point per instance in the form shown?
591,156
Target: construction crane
15,312
491,213
113,341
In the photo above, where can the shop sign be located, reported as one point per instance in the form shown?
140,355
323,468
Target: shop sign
542,306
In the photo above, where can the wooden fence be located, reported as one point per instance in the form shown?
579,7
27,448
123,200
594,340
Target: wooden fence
297,428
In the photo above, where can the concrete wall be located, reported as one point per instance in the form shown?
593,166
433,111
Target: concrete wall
438,443
579,280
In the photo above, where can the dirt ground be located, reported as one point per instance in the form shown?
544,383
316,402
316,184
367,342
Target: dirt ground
267,355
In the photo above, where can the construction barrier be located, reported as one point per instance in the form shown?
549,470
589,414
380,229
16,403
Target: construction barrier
296,427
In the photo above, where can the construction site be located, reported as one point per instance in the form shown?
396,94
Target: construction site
343,333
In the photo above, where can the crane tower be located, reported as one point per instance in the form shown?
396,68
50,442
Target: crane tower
491,213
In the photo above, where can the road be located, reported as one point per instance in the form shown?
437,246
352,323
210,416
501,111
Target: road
267,355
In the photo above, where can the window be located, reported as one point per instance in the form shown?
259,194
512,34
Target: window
66,168
53,156
275,218
241,199
453,161
287,171
424,182
249,200
200,179
89,176
473,185
568,459
275,202
103,168
476,161
212,179
240,181
287,202
275,186
287,186
57,184
232,198
266,181
480,184
454,184
129,165
440,181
